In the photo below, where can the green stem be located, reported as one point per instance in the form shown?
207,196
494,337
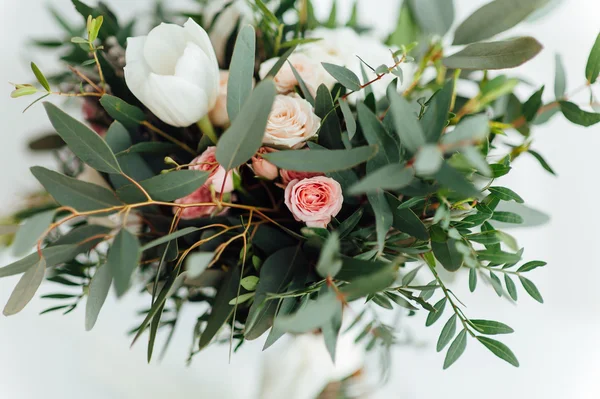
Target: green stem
207,129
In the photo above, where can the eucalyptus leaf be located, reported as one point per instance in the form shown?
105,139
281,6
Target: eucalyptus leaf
241,73
329,263
407,127
433,16
30,232
560,79
122,259
98,291
495,55
330,133
390,177
592,69
26,288
130,116
315,314
241,141
321,161
494,18
77,194
346,77
165,187
83,141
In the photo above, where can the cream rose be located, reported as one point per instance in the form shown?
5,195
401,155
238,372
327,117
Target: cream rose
218,115
311,72
262,167
220,179
314,201
291,122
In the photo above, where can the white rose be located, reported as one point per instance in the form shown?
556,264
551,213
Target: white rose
218,115
174,72
291,122
311,72
343,46
223,17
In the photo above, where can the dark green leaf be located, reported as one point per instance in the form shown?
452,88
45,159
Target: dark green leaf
275,274
529,266
348,225
322,161
330,134
506,194
26,288
498,257
592,68
98,291
489,327
496,284
331,331
390,177
436,117
77,194
165,187
122,260
405,121
472,279
510,287
533,105
221,309
507,217
47,142
149,147
129,115
499,349
447,254
241,73
447,333
542,161
346,77
353,268
439,310
495,55
469,131
406,220
578,116
494,18
241,141
83,141
376,134
456,349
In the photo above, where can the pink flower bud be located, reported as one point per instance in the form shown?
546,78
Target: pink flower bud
262,167
220,179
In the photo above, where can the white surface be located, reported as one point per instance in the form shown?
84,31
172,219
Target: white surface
556,343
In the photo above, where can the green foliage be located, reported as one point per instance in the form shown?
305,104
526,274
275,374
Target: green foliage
165,187
495,55
241,72
592,69
494,18
321,161
122,259
127,114
346,77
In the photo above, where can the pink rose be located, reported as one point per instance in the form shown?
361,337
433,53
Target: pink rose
288,175
219,178
202,195
218,115
262,167
314,201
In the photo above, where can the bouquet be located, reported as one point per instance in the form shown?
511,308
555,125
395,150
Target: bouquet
278,171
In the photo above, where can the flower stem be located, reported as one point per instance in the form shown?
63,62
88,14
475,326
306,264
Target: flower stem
207,129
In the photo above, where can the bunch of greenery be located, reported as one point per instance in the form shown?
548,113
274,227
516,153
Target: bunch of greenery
418,171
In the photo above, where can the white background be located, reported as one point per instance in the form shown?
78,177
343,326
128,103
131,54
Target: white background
557,343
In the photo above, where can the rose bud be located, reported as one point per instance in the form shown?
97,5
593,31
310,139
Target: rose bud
174,72
289,175
314,201
201,195
262,167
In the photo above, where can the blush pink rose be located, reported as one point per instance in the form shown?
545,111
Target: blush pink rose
201,195
220,179
314,201
262,167
289,175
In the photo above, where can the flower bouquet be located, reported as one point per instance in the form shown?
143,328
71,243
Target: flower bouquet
276,172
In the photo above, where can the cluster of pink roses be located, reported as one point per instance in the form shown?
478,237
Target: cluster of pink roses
311,197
